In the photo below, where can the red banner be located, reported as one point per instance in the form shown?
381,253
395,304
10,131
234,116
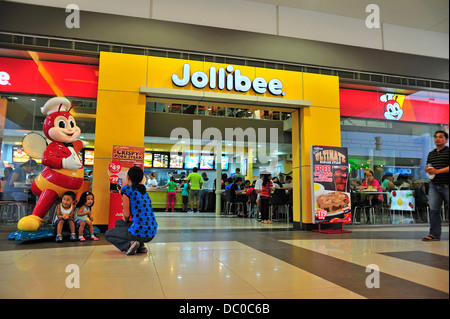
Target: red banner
48,78
425,107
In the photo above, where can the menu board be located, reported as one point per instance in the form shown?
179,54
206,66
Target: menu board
148,159
191,161
206,161
160,160
225,161
176,161
88,157
19,156
330,189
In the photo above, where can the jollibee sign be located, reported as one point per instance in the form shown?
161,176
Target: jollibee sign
229,78
223,78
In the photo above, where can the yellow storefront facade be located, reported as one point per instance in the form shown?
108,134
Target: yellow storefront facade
126,81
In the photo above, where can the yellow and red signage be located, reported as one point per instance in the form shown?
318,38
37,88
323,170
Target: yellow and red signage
48,78
417,107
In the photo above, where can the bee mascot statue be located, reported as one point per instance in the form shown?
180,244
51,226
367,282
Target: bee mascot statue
63,167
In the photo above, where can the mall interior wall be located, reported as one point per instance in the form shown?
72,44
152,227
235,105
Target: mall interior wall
138,31
331,24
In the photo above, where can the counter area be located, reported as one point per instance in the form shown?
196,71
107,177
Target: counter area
159,198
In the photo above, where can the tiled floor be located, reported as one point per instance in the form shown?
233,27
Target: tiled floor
208,257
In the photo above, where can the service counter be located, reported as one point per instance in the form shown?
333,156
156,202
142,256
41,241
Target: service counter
159,198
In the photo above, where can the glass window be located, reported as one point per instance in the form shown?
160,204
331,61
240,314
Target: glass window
214,110
28,89
390,132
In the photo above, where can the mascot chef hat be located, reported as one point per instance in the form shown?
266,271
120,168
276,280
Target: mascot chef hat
55,104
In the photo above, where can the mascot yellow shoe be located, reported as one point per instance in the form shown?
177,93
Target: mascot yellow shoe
29,223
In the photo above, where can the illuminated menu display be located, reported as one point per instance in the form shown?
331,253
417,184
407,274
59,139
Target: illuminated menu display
148,159
160,160
206,161
224,165
88,157
191,161
176,161
19,155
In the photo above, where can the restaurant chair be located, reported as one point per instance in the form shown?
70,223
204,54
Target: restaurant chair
444,211
424,211
369,213
12,211
229,204
251,204
280,201
385,209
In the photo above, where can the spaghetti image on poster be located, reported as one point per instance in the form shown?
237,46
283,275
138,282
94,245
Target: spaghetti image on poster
330,176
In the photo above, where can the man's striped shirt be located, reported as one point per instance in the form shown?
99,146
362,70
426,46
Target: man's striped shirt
439,159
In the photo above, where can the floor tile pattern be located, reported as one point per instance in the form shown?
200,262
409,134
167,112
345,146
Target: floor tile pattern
213,257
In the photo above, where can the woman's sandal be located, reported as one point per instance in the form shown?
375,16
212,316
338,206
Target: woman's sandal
133,248
142,249
430,238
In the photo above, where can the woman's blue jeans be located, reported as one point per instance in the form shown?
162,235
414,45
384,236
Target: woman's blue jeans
204,199
436,194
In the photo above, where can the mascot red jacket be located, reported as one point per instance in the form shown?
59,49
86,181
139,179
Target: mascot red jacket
64,169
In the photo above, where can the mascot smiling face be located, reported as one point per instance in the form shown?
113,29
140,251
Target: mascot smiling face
392,109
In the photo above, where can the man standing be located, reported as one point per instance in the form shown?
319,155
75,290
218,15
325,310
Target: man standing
238,174
437,169
196,182
235,191
152,182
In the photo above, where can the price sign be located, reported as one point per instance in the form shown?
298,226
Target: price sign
114,167
321,214
113,179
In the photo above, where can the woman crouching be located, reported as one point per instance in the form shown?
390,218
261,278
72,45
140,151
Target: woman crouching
138,225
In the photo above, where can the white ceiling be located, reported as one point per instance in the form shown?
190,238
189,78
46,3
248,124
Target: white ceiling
430,15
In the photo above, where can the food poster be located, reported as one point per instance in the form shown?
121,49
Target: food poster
402,200
330,187
123,157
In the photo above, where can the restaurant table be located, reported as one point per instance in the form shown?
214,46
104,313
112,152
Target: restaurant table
371,193
371,207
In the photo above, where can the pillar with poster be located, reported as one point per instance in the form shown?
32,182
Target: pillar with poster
330,193
123,158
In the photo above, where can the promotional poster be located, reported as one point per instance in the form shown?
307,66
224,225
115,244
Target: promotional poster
123,158
330,176
402,200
